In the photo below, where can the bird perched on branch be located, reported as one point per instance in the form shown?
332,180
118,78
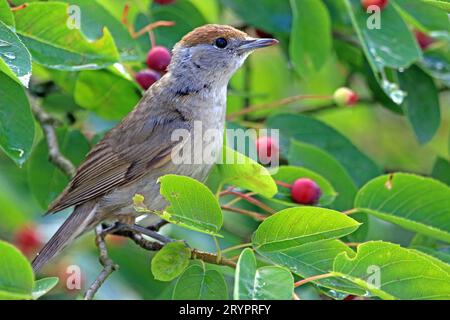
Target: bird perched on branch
140,149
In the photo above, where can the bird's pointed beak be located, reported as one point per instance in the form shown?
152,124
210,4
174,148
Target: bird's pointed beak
252,44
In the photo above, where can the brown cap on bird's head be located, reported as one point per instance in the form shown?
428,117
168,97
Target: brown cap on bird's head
210,32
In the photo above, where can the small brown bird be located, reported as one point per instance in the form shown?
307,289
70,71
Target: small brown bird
135,153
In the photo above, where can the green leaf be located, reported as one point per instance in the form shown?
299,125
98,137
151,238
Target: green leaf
444,5
238,170
107,94
170,261
318,160
185,15
412,202
6,15
390,44
309,51
392,272
266,283
317,133
45,180
313,259
192,204
296,226
15,55
443,255
16,120
16,275
95,17
288,174
196,283
441,170
271,16
436,62
421,105
43,27
424,16
42,286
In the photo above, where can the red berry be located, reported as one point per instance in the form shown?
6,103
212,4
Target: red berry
423,39
345,97
146,78
380,3
266,148
164,2
27,239
158,58
305,191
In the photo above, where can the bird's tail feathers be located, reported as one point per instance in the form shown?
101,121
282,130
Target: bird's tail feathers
73,227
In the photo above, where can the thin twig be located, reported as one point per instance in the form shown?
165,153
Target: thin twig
350,212
274,104
108,265
314,278
249,199
47,122
249,213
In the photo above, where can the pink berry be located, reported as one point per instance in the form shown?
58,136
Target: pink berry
380,3
345,97
266,148
305,191
423,39
158,58
146,78
164,2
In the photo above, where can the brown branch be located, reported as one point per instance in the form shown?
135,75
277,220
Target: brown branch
48,123
212,258
108,265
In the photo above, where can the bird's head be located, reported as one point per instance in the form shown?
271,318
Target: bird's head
215,52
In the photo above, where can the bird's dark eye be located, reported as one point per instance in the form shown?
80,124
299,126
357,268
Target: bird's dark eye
221,43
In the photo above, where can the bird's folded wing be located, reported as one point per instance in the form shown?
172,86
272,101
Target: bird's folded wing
123,156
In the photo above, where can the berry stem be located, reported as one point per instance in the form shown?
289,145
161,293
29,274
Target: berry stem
283,184
275,104
249,213
249,199
350,212
22,6
314,278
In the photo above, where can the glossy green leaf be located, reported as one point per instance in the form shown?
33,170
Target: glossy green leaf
16,120
387,43
313,259
192,204
44,29
47,181
317,133
170,261
196,283
441,4
308,50
296,226
441,254
421,105
265,283
238,170
95,17
6,15
426,17
436,62
16,275
441,170
288,174
271,16
15,55
392,272
412,202
107,94
320,161
43,286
